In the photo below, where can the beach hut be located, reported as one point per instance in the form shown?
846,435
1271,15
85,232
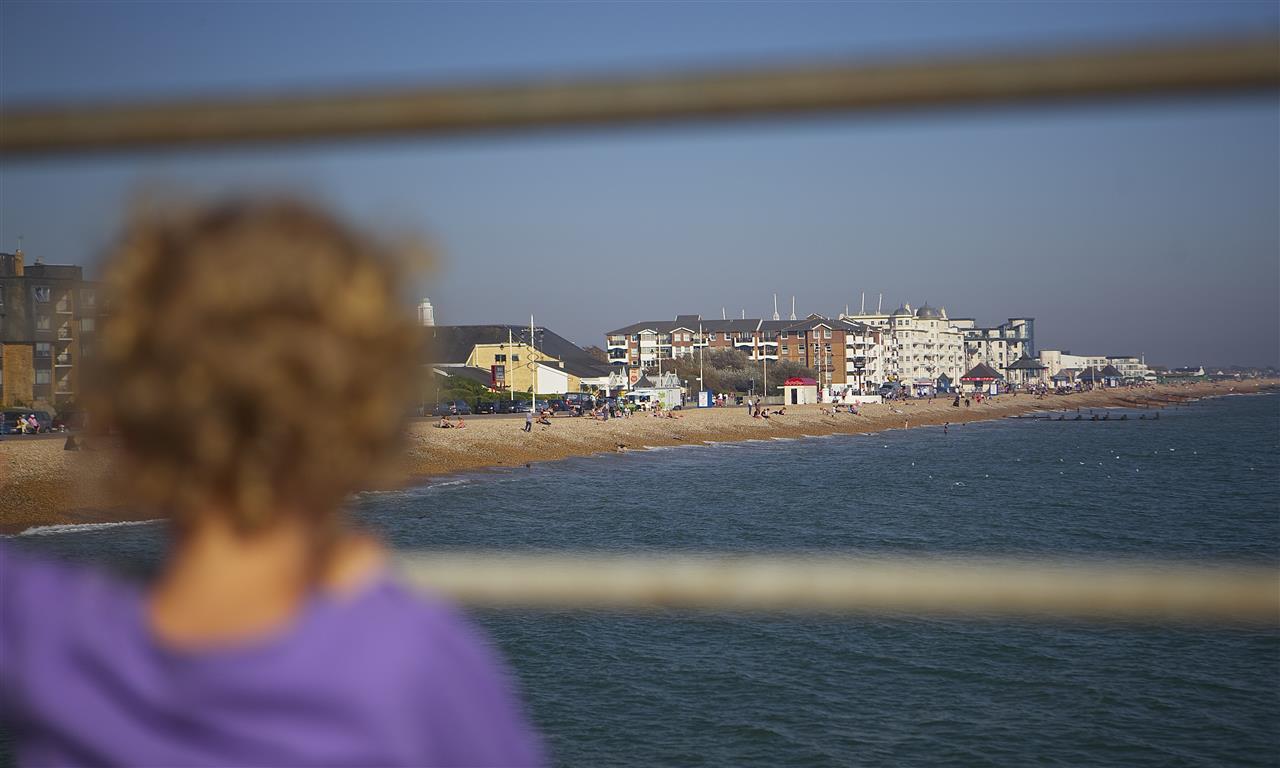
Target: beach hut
1065,377
799,390
944,384
982,377
1027,371
1111,376
1089,377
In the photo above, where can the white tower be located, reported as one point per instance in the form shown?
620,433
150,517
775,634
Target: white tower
775,307
793,308
426,313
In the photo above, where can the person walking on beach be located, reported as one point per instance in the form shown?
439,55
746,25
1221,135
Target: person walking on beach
274,634
528,420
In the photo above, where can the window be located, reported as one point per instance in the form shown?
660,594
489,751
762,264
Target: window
826,333
785,349
42,293
499,358
515,358
43,376
88,298
86,324
1,297
43,323
43,349
784,334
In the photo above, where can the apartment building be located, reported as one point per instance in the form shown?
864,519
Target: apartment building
817,343
998,346
646,344
48,316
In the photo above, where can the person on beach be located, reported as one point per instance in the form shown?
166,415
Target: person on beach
528,420
273,634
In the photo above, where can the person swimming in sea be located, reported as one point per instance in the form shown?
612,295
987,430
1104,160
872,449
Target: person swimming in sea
275,634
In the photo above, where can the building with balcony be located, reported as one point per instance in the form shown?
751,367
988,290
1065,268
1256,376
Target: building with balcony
48,319
646,344
998,346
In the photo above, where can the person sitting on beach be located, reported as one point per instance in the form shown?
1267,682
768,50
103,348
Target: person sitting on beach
444,422
273,634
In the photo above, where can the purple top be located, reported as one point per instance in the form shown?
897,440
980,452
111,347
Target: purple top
380,677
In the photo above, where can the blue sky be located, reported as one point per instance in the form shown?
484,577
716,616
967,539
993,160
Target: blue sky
1149,228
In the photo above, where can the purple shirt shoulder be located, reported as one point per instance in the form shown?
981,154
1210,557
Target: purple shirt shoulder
383,677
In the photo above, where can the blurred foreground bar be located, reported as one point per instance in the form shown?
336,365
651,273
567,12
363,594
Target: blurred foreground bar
836,585
1196,67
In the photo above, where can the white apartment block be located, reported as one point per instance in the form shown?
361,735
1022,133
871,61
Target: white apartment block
918,346
999,346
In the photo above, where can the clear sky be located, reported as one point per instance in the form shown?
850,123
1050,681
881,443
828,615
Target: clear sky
1150,228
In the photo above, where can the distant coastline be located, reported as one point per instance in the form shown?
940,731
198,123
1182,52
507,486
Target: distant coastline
43,485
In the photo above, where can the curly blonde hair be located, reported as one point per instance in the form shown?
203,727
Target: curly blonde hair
255,359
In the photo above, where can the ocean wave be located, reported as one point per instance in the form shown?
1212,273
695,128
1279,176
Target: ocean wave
54,530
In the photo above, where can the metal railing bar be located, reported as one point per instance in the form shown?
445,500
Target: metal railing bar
1166,69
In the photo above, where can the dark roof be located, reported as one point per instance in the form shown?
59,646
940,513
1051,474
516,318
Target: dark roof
810,322
643,382
854,325
1089,374
453,344
689,322
981,372
1111,372
469,372
1026,362
927,312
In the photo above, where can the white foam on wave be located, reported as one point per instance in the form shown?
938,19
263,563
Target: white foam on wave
54,530
449,483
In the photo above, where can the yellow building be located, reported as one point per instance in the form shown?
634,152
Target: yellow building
519,366
552,364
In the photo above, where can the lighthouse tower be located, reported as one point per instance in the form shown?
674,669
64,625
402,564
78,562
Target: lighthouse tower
426,313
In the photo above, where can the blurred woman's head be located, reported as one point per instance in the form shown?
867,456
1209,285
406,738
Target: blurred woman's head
255,360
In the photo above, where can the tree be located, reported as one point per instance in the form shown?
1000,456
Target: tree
728,370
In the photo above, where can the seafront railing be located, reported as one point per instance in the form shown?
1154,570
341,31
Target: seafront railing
787,584
1194,67
830,584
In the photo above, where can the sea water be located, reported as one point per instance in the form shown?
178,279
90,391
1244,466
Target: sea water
1200,483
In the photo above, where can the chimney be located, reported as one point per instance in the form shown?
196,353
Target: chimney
18,261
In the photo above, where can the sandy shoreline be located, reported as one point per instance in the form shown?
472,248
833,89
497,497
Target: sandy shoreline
41,484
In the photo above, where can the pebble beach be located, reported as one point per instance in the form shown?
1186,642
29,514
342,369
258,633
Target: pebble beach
42,484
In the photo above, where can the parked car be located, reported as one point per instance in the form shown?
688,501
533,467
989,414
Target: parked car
891,388
9,420
521,406
452,408
486,406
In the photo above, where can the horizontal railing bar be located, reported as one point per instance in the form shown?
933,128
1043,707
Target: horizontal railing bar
1204,66
830,584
